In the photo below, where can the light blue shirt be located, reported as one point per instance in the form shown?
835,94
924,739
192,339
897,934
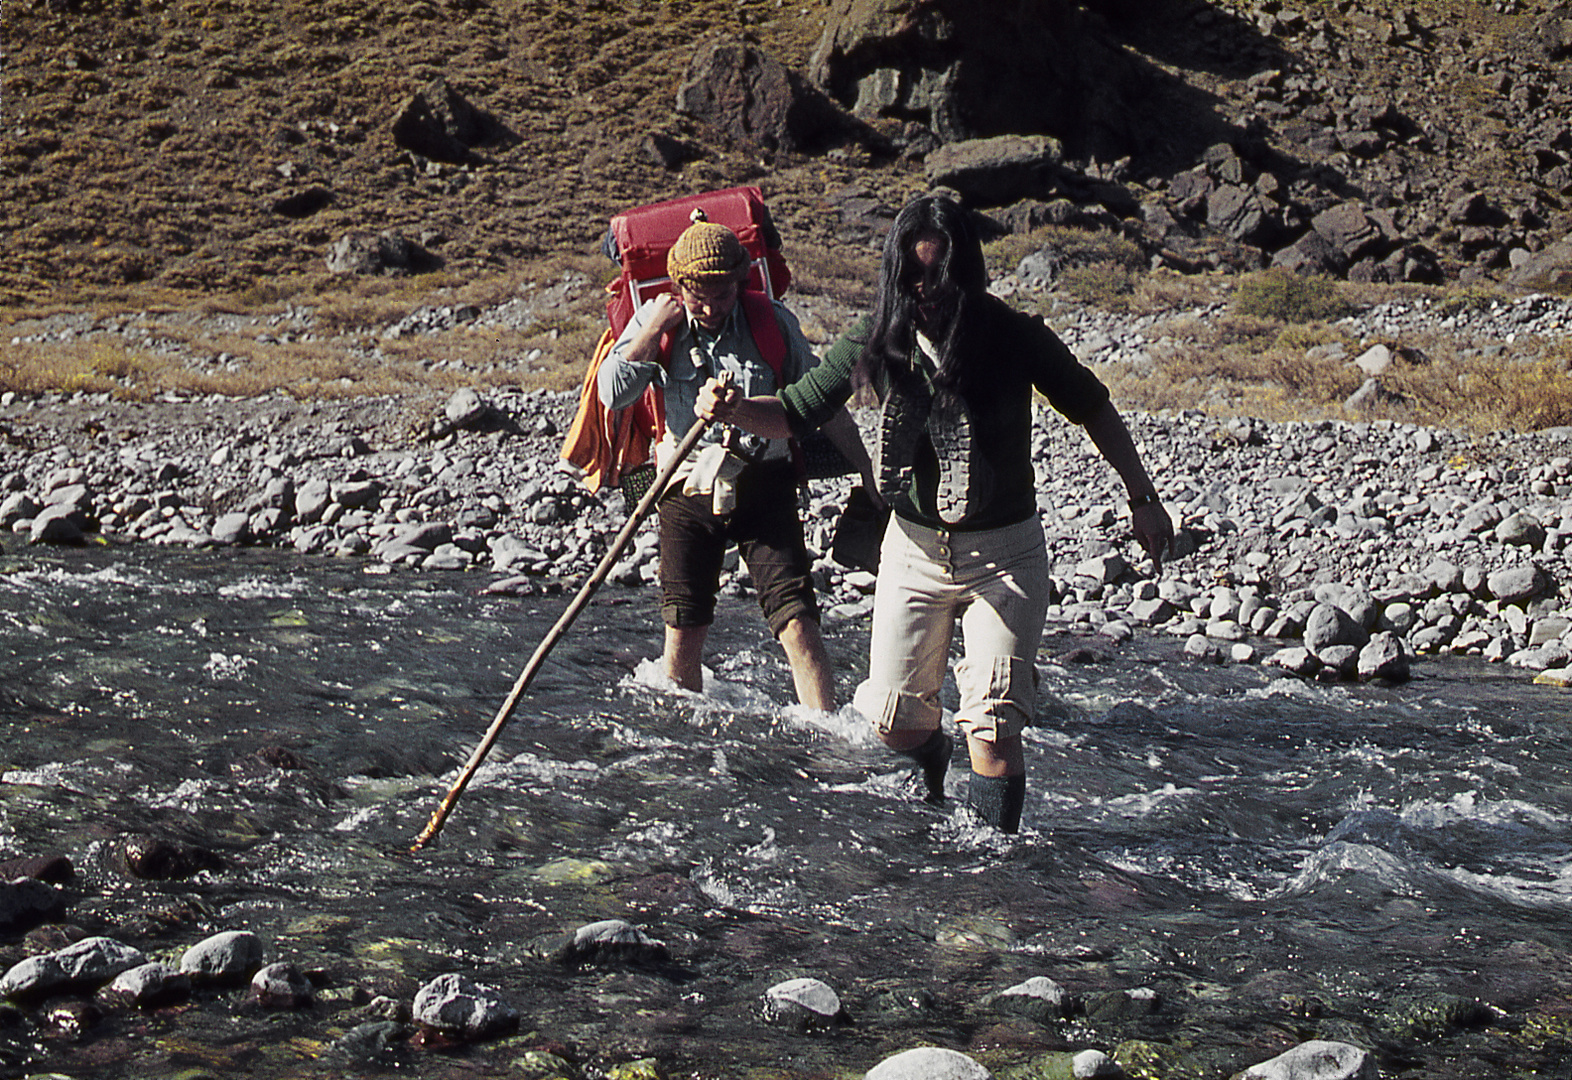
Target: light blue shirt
696,355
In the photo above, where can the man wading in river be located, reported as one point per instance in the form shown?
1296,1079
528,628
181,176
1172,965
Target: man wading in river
738,488
954,368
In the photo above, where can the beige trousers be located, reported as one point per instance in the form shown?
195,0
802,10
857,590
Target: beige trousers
995,584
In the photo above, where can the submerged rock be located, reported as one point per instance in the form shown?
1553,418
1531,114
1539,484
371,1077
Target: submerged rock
928,1063
70,1016
543,1065
1317,1060
152,858
230,957
607,941
51,937
375,1040
803,1004
1435,1016
55,869
455,1008
83,966
1124,1004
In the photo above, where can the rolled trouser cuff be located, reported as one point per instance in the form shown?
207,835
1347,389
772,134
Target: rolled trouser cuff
891,710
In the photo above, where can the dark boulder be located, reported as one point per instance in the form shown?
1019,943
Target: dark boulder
1240,213
302,204
441,124
1475,208
969,70
55,869
151,858
1311,254
667,151
26,902
997,171
1550,268
1190,192
386,253
738,88
1351,232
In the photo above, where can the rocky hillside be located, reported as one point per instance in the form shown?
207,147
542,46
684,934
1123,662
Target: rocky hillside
218,145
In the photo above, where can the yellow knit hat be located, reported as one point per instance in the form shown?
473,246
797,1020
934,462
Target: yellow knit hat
706,251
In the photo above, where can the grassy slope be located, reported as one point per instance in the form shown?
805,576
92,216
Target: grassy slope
151,147
148,143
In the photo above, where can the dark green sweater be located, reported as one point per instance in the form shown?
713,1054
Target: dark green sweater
1019,353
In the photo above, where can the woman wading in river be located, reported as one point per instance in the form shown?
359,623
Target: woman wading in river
954,369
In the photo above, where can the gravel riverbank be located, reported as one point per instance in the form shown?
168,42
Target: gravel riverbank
1335,549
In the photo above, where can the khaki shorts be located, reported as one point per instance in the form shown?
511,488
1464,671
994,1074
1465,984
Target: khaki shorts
995,583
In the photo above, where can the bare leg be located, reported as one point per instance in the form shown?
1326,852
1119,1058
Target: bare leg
1006,757
684,656
902,741
810,666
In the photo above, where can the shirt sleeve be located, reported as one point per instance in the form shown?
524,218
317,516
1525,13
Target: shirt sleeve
1068,384
621,381
820,392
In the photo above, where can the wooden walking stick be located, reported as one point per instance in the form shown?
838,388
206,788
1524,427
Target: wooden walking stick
613,553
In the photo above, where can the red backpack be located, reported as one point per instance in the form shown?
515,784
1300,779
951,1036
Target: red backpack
614,448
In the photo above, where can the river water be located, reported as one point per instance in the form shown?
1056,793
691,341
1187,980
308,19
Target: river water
1277,860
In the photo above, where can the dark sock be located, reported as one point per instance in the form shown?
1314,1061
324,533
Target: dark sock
934,758
998,800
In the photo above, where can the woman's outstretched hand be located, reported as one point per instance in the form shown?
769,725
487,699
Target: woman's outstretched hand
1153,531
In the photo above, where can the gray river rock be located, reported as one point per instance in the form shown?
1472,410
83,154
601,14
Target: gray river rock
232,956
149,985
462,1009
1039,998
803,1004
282,985
1317,1060
928,1063
88,963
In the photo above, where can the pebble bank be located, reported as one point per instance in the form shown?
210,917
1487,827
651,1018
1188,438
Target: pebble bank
1335,549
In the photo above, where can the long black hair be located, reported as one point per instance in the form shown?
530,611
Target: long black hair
962,279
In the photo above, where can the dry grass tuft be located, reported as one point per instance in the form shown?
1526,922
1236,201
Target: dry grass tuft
1271,354
1071,247
316,336
1235,368
1288,297
1525,391
1254,362
846,276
